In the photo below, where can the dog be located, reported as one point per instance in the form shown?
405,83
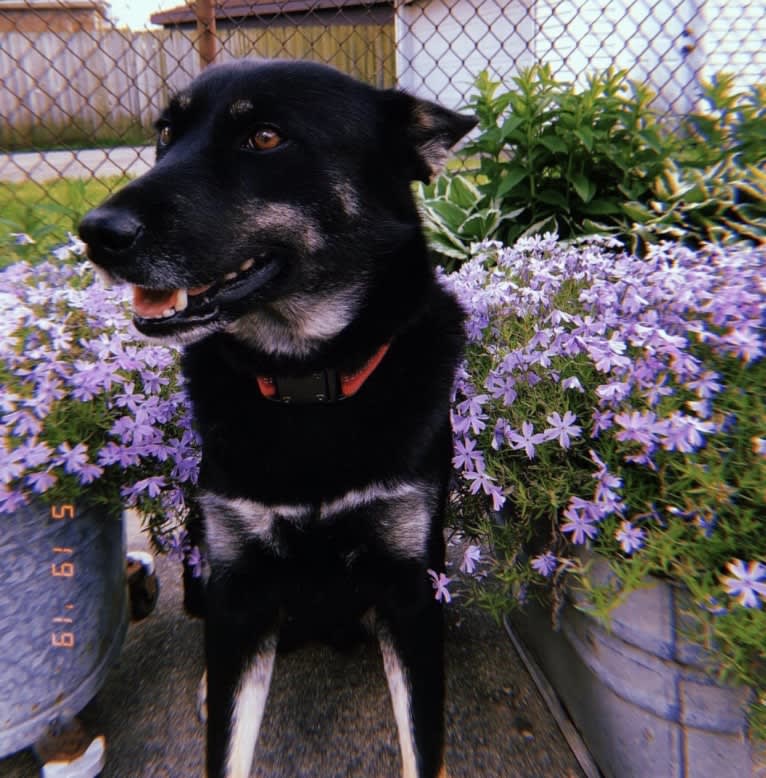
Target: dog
277,239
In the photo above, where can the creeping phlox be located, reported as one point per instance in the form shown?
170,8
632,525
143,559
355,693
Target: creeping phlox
618,403
86,406
547,319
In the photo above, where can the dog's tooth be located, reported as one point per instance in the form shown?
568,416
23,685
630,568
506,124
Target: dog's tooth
168,312
230,276
247,264
182,300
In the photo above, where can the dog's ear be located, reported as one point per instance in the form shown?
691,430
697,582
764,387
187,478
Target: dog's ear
430,131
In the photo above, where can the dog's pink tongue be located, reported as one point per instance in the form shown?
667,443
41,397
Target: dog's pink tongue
150,303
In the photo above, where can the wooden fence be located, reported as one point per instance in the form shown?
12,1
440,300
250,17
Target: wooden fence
104,85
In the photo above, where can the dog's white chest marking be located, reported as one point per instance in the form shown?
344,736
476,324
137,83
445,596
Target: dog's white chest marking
402,518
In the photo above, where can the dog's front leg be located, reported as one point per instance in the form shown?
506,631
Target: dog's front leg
412,649
240,648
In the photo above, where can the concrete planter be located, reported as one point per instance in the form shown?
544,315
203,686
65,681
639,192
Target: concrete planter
63,614
638,692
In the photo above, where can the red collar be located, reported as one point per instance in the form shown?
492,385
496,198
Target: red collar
328,385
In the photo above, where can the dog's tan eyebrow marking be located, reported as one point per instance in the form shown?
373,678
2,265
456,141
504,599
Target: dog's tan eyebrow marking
240,107
181,100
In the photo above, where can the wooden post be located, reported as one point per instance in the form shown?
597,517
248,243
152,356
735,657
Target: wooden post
205,10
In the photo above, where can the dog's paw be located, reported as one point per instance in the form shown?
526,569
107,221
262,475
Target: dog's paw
143,584
202,698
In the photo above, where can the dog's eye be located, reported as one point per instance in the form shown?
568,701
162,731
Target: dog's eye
166,135
263,139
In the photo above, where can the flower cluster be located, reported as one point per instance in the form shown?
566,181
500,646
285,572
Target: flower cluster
618,403
85,404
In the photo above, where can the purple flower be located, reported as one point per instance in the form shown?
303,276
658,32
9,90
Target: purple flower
545,564
440,582
481,481
614,392
25,423
178,545
195,561
747,582
89,473
602,420
471,557
562,429
472,410
73,459
580,524
41,481
638,426
572,383
129,398
152,485
527,440
684,433
630,538
466,454
744,343
706,385
11,499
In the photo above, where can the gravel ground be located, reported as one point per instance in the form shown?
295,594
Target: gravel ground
328,714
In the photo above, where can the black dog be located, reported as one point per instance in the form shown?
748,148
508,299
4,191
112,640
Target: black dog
278,239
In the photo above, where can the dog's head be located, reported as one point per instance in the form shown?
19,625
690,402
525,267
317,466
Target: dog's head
281,189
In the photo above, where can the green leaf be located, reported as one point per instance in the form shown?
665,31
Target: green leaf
442,246
480,225
584,187
553,197
509,215
601,207
548,224
453,215
463,193
514,175
595,228
510,124
638,212
585,134
554,144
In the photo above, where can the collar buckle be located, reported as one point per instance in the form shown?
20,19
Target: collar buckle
323,386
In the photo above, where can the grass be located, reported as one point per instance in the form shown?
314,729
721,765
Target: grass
34,137
46,212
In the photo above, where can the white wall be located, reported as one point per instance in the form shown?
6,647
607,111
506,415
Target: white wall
444,44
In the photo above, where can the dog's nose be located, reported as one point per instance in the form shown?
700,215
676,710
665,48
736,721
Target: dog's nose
112,229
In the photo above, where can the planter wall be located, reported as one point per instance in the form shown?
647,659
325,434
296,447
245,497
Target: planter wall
638,693
63,614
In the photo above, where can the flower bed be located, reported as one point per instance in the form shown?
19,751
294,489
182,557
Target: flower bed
620,403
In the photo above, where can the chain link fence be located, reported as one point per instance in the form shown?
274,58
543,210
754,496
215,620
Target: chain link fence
79,91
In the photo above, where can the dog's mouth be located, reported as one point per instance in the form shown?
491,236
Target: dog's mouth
163,311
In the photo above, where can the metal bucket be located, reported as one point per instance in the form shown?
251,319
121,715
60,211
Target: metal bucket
63,613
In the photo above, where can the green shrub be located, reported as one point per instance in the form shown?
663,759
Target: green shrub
550,157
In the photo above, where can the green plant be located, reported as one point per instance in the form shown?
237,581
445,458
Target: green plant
456,215
44,212
731,127
558,158
550,157
723,203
